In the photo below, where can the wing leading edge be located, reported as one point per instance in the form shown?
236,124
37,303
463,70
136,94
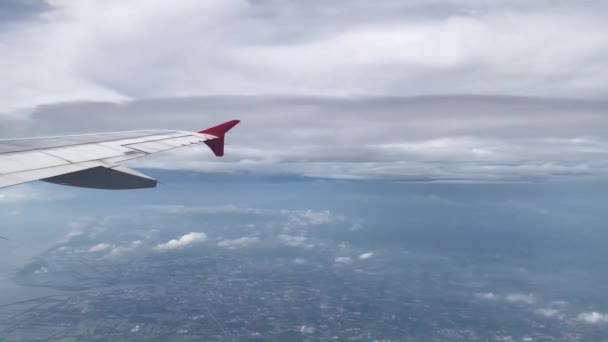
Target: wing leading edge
93,160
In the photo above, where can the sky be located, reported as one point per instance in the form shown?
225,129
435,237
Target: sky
444,90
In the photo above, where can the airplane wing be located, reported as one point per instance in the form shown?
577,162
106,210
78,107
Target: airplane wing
93,160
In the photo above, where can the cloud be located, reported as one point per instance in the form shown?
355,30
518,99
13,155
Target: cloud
27,193
241,242
208,210
307,330
308,218
118,251
99,248
293,221
78,225
315,99
553,311
89,49
510,298
559,303
343,260
79,228
12,11
468,139
15,195
487,296
450,44
182,242
593,317
295,241
41,270
548,312
72,234
297,218
366,256
98,27
520,298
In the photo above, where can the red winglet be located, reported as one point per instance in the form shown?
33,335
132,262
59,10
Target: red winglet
217,145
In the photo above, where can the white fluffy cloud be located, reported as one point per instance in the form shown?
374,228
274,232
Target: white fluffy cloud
593,317
307,330
27,193
182,242
343,260
307,218
299,261
14,195
548,312
296,218
74,233
523,298
295,241
366,256
99,248
520,298
41,270
241,242
487,296
552,310
118,251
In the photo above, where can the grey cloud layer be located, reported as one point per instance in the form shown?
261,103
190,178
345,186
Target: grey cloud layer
433,138
112,51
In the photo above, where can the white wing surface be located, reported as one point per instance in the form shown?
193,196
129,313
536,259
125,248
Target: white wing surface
93,160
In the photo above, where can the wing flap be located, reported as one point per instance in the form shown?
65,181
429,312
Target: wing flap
183,141
150,146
